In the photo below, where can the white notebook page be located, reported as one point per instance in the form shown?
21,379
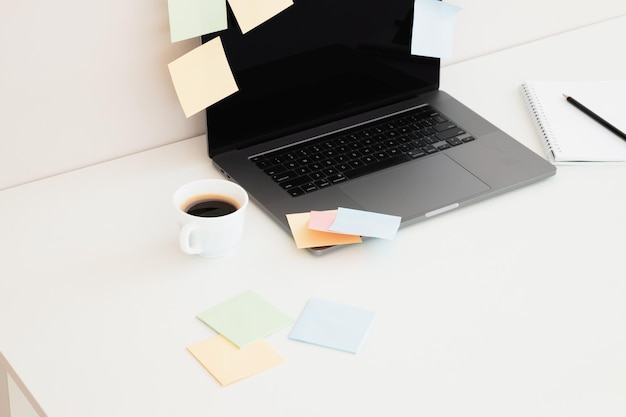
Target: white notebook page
571,135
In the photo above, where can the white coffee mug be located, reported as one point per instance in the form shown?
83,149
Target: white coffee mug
211,216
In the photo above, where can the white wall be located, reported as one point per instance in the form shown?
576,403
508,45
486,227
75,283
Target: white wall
83,82
485,26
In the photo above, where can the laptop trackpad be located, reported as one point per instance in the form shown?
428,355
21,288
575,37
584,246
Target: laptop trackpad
413,189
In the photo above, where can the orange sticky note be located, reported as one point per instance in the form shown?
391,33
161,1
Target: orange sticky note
202,77
307,238
227,363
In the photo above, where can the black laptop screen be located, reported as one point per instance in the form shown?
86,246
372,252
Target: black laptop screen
315,62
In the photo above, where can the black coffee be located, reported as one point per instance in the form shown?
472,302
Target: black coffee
211,207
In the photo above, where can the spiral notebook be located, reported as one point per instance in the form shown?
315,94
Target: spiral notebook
569,136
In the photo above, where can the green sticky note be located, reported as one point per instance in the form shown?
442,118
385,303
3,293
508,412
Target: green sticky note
245,319
194,18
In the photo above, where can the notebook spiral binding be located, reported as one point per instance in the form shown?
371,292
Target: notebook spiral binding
548,139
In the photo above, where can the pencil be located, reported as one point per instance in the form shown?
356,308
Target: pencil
594,116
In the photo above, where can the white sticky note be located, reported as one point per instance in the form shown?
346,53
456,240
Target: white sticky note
202,77
433,28
192,18
365,223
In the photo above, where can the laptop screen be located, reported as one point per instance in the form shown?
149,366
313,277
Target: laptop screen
315,62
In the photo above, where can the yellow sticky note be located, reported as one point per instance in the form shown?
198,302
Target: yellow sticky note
227,363
308,238
202,77
251,13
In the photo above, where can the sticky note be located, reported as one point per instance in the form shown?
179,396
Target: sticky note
365,223
322,220
227,363
202,77
192,18
332,325
307,238
433,28
251,13
245,319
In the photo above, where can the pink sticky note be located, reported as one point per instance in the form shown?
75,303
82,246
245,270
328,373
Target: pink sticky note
322,220
307,238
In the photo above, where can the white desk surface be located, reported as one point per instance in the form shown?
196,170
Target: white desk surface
512,307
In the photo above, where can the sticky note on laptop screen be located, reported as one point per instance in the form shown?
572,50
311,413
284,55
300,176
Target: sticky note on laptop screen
433,28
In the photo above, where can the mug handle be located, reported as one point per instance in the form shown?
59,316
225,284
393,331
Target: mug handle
185,235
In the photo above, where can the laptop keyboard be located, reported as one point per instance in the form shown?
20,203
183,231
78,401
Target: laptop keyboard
319,163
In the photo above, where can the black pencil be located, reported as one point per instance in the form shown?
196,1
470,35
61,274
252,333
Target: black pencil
595,117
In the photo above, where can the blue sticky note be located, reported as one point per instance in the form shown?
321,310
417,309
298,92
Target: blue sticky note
433,28
332,325
365,223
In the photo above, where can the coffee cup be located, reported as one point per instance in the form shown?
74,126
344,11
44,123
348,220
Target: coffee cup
211,214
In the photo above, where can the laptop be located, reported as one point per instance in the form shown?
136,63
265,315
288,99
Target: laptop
333,111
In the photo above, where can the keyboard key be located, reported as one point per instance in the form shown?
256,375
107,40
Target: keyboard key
335,179
275,170
356,163
295,182
450,133
444,126
455,141
416,153
263,164
284,176
322,183
368,160
309,187
296,191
